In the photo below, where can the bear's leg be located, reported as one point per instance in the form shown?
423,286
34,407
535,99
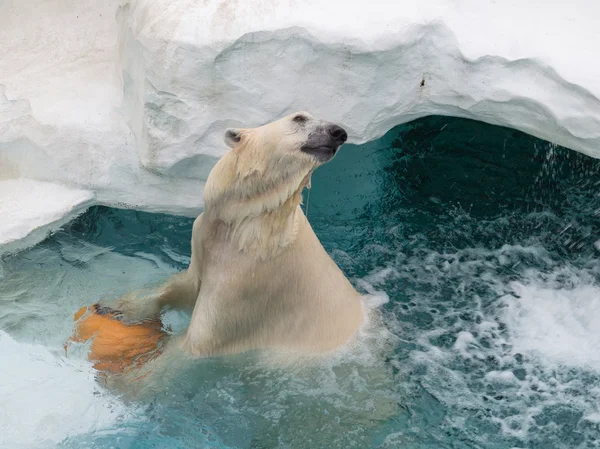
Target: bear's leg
179,291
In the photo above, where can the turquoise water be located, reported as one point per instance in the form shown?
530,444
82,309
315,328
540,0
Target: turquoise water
482,240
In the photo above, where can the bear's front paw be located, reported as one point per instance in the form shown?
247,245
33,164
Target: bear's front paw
130,308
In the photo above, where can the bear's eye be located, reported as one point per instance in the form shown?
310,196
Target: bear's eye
300,118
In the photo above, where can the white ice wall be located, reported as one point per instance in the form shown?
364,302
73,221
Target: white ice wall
129,100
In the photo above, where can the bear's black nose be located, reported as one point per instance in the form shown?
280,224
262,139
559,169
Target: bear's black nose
338,133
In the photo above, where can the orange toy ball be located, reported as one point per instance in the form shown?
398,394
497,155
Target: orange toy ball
116,345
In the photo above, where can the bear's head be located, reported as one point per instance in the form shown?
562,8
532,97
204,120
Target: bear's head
268,167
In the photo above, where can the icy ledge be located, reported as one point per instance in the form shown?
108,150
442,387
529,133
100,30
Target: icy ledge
30,209
129,99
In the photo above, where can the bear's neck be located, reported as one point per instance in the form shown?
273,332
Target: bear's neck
270,233
267,234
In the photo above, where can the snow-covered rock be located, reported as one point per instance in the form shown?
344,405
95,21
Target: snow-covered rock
129,99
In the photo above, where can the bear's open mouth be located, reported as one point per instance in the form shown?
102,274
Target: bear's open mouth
322,153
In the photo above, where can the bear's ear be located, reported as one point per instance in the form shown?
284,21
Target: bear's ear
233,137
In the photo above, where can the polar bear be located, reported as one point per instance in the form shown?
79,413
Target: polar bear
259,278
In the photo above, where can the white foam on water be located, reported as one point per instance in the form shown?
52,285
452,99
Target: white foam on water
518,356
558,325
45,398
